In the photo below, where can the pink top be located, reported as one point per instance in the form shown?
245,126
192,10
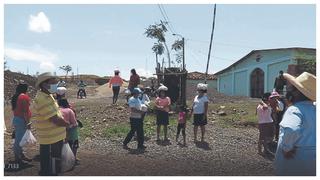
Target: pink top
115,81
264,115
182,118
69,116
164,102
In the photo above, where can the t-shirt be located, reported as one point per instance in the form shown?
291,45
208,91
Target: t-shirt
69,116
135,103
264,115
115,81
165,102
182,117
45,108
198,104
134,81
20,106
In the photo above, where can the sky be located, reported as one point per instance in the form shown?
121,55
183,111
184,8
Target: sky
96,39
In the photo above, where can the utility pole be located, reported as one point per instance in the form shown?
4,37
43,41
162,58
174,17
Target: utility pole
183,56
214,17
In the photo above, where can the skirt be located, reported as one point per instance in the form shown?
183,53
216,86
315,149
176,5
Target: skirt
266,130
162,118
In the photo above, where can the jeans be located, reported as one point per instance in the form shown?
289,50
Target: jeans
116,90
136,126
50,159
20,129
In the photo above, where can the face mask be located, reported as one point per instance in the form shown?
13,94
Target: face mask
53,88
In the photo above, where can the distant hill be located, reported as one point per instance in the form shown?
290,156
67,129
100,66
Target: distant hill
11,80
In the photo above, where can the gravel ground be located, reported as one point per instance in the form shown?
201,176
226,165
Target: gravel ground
226,152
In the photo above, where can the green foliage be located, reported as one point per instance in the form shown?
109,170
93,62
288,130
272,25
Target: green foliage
86,130
308,65
117,130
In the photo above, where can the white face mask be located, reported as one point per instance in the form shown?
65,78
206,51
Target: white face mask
53,88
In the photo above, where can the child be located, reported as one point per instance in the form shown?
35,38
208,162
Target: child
163,106
277,111
265,124
182,124
72,130
199,111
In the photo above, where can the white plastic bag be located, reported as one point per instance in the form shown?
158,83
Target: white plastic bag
27,139
67,158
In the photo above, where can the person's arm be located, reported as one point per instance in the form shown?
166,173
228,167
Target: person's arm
25,107
110,82
59,121
275,83
191,112
291,125
135,110
206,109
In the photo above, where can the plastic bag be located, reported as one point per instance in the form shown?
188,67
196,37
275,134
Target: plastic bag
27,139
67,158
127,91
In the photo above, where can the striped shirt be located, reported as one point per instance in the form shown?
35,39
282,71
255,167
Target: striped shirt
45,108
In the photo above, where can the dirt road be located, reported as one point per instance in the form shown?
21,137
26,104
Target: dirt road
226,152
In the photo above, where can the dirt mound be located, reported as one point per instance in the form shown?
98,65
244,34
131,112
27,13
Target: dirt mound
105,90
11,79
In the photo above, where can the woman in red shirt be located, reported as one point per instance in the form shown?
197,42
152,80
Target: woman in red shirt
20,103
134,80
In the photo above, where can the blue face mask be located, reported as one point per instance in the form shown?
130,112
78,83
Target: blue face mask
53,88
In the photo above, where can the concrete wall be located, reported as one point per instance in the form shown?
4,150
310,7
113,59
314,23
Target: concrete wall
236,80
240,83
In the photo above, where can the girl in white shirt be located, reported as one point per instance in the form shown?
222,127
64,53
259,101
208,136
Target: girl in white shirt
200,110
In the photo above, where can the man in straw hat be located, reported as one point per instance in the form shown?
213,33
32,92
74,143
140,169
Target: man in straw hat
296,152
49,124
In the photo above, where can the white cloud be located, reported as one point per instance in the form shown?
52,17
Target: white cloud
39,23
44,58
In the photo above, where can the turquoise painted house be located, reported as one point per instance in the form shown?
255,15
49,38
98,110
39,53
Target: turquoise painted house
255,73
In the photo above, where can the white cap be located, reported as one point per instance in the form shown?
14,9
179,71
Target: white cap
202,86
162,88
61,90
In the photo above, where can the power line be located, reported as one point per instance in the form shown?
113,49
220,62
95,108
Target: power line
166,19
169,22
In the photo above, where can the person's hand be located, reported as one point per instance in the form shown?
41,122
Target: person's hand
289,154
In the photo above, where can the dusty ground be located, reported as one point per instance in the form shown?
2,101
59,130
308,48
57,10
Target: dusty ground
228,150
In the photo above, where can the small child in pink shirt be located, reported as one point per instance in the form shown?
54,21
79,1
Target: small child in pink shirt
182,124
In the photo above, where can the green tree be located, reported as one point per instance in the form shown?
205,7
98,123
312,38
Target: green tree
158,49
178,47
66,69
157,31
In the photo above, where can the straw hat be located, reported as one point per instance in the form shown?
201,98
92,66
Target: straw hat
43,77
305,83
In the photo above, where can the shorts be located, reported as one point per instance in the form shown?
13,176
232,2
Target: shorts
198,120
162,118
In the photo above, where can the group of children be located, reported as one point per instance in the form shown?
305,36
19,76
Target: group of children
138,110
269,111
